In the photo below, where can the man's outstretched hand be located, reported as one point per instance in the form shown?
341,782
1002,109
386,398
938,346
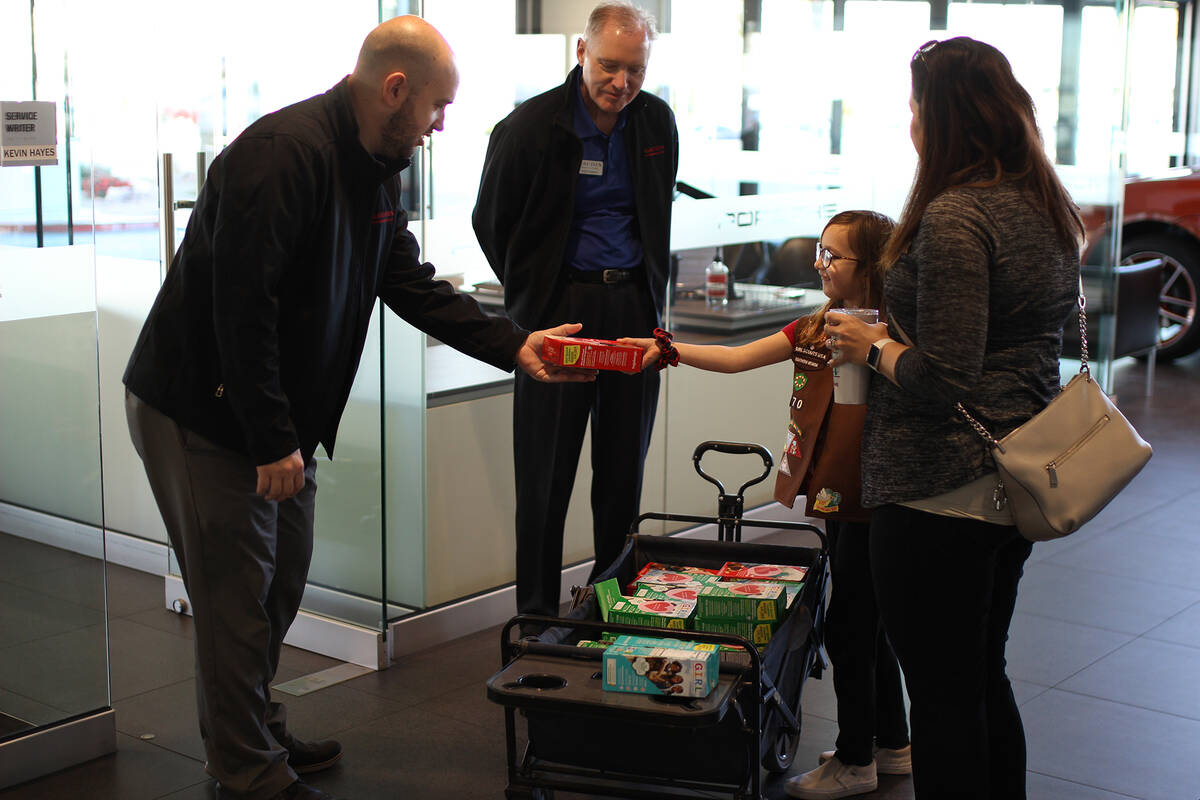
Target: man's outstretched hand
529,358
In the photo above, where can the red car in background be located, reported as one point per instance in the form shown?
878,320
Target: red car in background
1162,220
98,185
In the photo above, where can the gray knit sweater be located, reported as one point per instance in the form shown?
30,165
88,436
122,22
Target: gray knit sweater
983,292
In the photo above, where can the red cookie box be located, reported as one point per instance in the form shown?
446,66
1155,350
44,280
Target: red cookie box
682,594
734,570
656,576
574,351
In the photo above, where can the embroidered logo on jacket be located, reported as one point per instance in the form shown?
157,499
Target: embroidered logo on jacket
654,150
382,217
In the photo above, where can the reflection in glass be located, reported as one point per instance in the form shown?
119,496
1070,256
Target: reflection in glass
53,631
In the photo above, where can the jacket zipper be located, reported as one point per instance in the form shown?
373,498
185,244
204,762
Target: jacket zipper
1051,468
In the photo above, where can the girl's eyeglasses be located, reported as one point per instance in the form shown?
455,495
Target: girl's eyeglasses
826,258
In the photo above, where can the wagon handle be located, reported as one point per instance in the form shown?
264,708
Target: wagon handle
730,507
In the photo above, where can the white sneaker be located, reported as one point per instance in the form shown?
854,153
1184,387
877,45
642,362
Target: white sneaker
893,760
888,760
833,779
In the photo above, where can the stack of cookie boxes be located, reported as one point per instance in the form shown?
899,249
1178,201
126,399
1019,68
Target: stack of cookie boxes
748,600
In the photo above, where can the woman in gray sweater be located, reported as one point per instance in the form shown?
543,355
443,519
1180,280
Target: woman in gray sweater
981,275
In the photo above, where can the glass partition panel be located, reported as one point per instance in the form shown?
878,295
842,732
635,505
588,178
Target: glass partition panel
404,488
1155,138
1094,170
51,575
52,585
346,577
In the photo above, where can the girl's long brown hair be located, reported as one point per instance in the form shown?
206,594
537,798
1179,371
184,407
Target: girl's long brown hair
977,129
868,234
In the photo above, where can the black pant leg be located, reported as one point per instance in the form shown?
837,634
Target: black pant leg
622,422
621,425
1006,734
851,631
937,579
891,716
549,421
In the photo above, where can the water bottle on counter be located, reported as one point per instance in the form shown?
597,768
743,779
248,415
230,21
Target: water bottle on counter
716,282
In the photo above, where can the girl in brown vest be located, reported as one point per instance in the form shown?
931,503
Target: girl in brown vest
821,461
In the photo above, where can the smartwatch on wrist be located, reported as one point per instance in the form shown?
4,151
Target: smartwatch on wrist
875,352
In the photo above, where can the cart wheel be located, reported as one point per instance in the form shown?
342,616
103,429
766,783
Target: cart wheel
780,757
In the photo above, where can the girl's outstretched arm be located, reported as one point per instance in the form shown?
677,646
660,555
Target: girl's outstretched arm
719,358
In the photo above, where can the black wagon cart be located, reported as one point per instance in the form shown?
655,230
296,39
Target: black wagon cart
580,738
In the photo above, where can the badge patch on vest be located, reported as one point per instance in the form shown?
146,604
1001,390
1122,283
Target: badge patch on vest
809,359
790,448
799,382
827,501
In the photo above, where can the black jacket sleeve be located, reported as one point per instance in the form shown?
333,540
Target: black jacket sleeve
266,203
503,187
410,288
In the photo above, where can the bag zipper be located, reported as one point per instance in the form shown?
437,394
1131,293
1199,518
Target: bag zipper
999,496
1051,468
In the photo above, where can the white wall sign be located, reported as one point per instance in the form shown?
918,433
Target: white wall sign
28,134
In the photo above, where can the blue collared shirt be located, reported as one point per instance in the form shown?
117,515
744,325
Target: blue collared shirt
604,231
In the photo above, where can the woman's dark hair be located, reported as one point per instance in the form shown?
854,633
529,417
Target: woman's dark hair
868,234
977,128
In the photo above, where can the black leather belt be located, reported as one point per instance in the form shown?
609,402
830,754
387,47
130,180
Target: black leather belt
602,275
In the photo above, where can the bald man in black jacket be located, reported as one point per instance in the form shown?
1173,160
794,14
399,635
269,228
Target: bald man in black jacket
246,361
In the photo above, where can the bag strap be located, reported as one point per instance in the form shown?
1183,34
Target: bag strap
1083,347
1083,366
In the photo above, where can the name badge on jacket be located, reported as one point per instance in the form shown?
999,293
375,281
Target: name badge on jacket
588,167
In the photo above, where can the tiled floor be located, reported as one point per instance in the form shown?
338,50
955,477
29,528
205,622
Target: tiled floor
1104,653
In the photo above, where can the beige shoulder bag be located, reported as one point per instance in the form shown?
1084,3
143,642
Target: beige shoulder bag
1064,465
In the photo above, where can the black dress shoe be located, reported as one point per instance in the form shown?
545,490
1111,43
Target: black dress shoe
309,757
302,791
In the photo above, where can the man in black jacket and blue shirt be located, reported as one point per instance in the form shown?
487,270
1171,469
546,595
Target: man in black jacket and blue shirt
574,216
246,361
